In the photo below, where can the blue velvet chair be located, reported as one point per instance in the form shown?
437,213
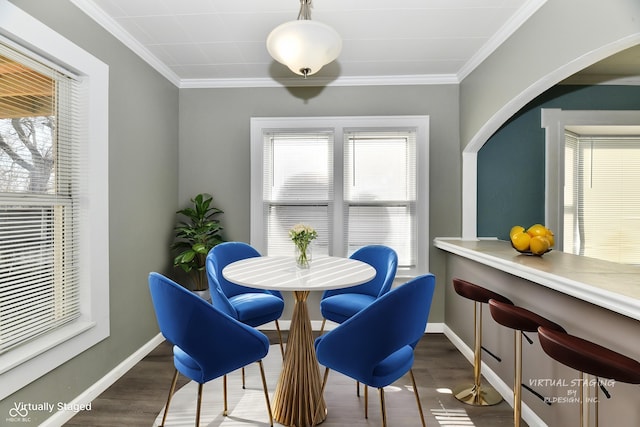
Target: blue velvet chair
376,345
340,304
207,343
253,307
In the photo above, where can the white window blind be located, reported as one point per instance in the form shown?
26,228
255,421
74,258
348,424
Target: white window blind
39,192
380,191
602,197
298,186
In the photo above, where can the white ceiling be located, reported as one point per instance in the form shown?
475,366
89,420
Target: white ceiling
217,43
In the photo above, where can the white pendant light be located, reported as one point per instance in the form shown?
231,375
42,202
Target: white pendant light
304,45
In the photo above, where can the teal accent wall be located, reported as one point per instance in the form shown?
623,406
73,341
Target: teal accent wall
511,164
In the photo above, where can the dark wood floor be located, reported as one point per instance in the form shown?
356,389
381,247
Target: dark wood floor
138,397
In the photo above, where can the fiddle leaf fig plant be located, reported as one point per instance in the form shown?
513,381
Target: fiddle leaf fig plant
196,233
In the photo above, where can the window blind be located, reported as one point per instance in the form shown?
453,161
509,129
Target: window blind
605,189
298,187
39,193
380,191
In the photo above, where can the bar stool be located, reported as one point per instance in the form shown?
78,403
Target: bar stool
475,394
520,320
588,357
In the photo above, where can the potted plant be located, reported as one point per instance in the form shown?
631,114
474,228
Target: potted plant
195,234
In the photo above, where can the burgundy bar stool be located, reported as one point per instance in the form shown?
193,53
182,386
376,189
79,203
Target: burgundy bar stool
475,394
520,320
591,358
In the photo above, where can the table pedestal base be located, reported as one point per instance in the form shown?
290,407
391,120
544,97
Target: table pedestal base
299,386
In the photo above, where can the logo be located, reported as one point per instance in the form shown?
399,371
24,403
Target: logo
19,410
19,413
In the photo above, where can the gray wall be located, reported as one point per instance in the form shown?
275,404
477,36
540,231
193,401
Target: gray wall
143,195
215,146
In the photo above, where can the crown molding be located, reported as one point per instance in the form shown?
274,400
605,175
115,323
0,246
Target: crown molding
499,37
109,24
407,80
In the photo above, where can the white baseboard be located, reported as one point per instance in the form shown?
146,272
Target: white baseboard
61,417
530,417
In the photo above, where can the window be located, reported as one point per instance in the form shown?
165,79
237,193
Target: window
602,196
38,198
593,159
53,200
357,181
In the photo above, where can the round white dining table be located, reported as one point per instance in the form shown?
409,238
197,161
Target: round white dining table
299,390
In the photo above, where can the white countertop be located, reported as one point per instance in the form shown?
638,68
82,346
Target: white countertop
281,273
603,283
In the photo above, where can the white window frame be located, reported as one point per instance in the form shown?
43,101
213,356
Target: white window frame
262,125
554,121
28,362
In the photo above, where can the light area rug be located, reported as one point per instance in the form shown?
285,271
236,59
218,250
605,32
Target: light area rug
247,407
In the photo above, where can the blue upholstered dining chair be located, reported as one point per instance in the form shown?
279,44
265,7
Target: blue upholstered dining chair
375,346
253,307
340,304
207,343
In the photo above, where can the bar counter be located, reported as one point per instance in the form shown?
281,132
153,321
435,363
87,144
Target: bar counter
593,299
609,285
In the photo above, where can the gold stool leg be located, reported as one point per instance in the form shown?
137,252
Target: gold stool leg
475,394
171,390
582,406
597,399
322,327
415,390
517,383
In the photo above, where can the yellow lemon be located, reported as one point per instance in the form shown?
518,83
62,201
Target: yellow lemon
539,245
551,238
537,230
516,229
521,241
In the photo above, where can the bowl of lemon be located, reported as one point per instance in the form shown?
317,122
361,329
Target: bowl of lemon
536,240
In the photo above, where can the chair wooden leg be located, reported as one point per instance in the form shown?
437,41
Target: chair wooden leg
415,390
280,338
243,382
383,408
266,393
366,402
199,405
358,388
322,327
224,395
318,403
171,390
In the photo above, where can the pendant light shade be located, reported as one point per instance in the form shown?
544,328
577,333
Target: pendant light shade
303,45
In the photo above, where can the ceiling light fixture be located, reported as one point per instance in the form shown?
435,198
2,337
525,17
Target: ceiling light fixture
303,45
